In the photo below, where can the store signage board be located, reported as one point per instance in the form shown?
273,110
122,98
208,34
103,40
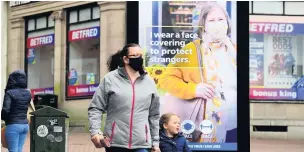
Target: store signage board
18,3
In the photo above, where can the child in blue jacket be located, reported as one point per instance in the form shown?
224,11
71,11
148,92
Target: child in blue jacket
171,140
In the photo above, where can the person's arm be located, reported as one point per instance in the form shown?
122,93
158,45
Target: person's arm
97,107
173,79
6,107
154,116
173,82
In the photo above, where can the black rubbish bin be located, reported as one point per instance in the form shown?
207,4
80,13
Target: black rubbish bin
45,99
49,130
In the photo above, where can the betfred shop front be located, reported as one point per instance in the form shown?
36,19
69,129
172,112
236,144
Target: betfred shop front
63,47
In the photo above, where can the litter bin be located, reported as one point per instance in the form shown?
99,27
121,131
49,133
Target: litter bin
45,99
49,130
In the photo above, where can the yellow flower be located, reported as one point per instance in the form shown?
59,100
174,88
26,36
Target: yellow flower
156,71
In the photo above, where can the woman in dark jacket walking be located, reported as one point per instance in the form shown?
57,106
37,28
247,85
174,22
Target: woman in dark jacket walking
14,110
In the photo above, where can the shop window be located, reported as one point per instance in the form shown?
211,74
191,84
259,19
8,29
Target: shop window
276,57
40,55
294,8
260,7
83,53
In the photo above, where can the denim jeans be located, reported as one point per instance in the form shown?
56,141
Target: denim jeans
15,136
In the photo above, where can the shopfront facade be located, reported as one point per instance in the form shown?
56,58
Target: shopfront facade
63,47
276,70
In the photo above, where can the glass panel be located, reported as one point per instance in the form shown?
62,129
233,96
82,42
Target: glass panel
31,25
294,8
268,7
41,22
250,6
73,17
85,14
96,12
51,22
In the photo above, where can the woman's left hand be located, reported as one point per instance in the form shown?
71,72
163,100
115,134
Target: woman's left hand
156,149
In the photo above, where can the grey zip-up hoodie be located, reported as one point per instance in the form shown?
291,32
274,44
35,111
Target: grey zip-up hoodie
132,110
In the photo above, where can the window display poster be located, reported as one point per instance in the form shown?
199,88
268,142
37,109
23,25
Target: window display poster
31,58
170,32
281,52
90,78
76,89
73,77
256,60
282,59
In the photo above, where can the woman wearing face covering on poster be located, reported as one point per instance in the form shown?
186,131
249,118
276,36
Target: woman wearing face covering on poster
129,97
209,78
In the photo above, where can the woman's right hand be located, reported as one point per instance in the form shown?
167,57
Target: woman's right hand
96,140
204,91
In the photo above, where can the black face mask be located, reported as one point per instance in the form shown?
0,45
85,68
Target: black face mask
136,63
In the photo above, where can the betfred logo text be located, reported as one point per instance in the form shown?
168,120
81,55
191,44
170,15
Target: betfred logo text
39,41
270,27
84,34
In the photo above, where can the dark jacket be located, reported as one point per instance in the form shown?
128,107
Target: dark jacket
16,99
175,144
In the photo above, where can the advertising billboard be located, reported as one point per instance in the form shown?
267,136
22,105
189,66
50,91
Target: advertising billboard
190,52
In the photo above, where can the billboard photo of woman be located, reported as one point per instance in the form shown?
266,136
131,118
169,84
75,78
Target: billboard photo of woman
201,90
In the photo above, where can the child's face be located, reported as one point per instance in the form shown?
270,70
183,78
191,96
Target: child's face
172,127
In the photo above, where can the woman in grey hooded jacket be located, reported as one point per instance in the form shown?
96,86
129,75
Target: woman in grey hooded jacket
129,97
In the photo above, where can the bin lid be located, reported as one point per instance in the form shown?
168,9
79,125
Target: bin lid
48,111
45,94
